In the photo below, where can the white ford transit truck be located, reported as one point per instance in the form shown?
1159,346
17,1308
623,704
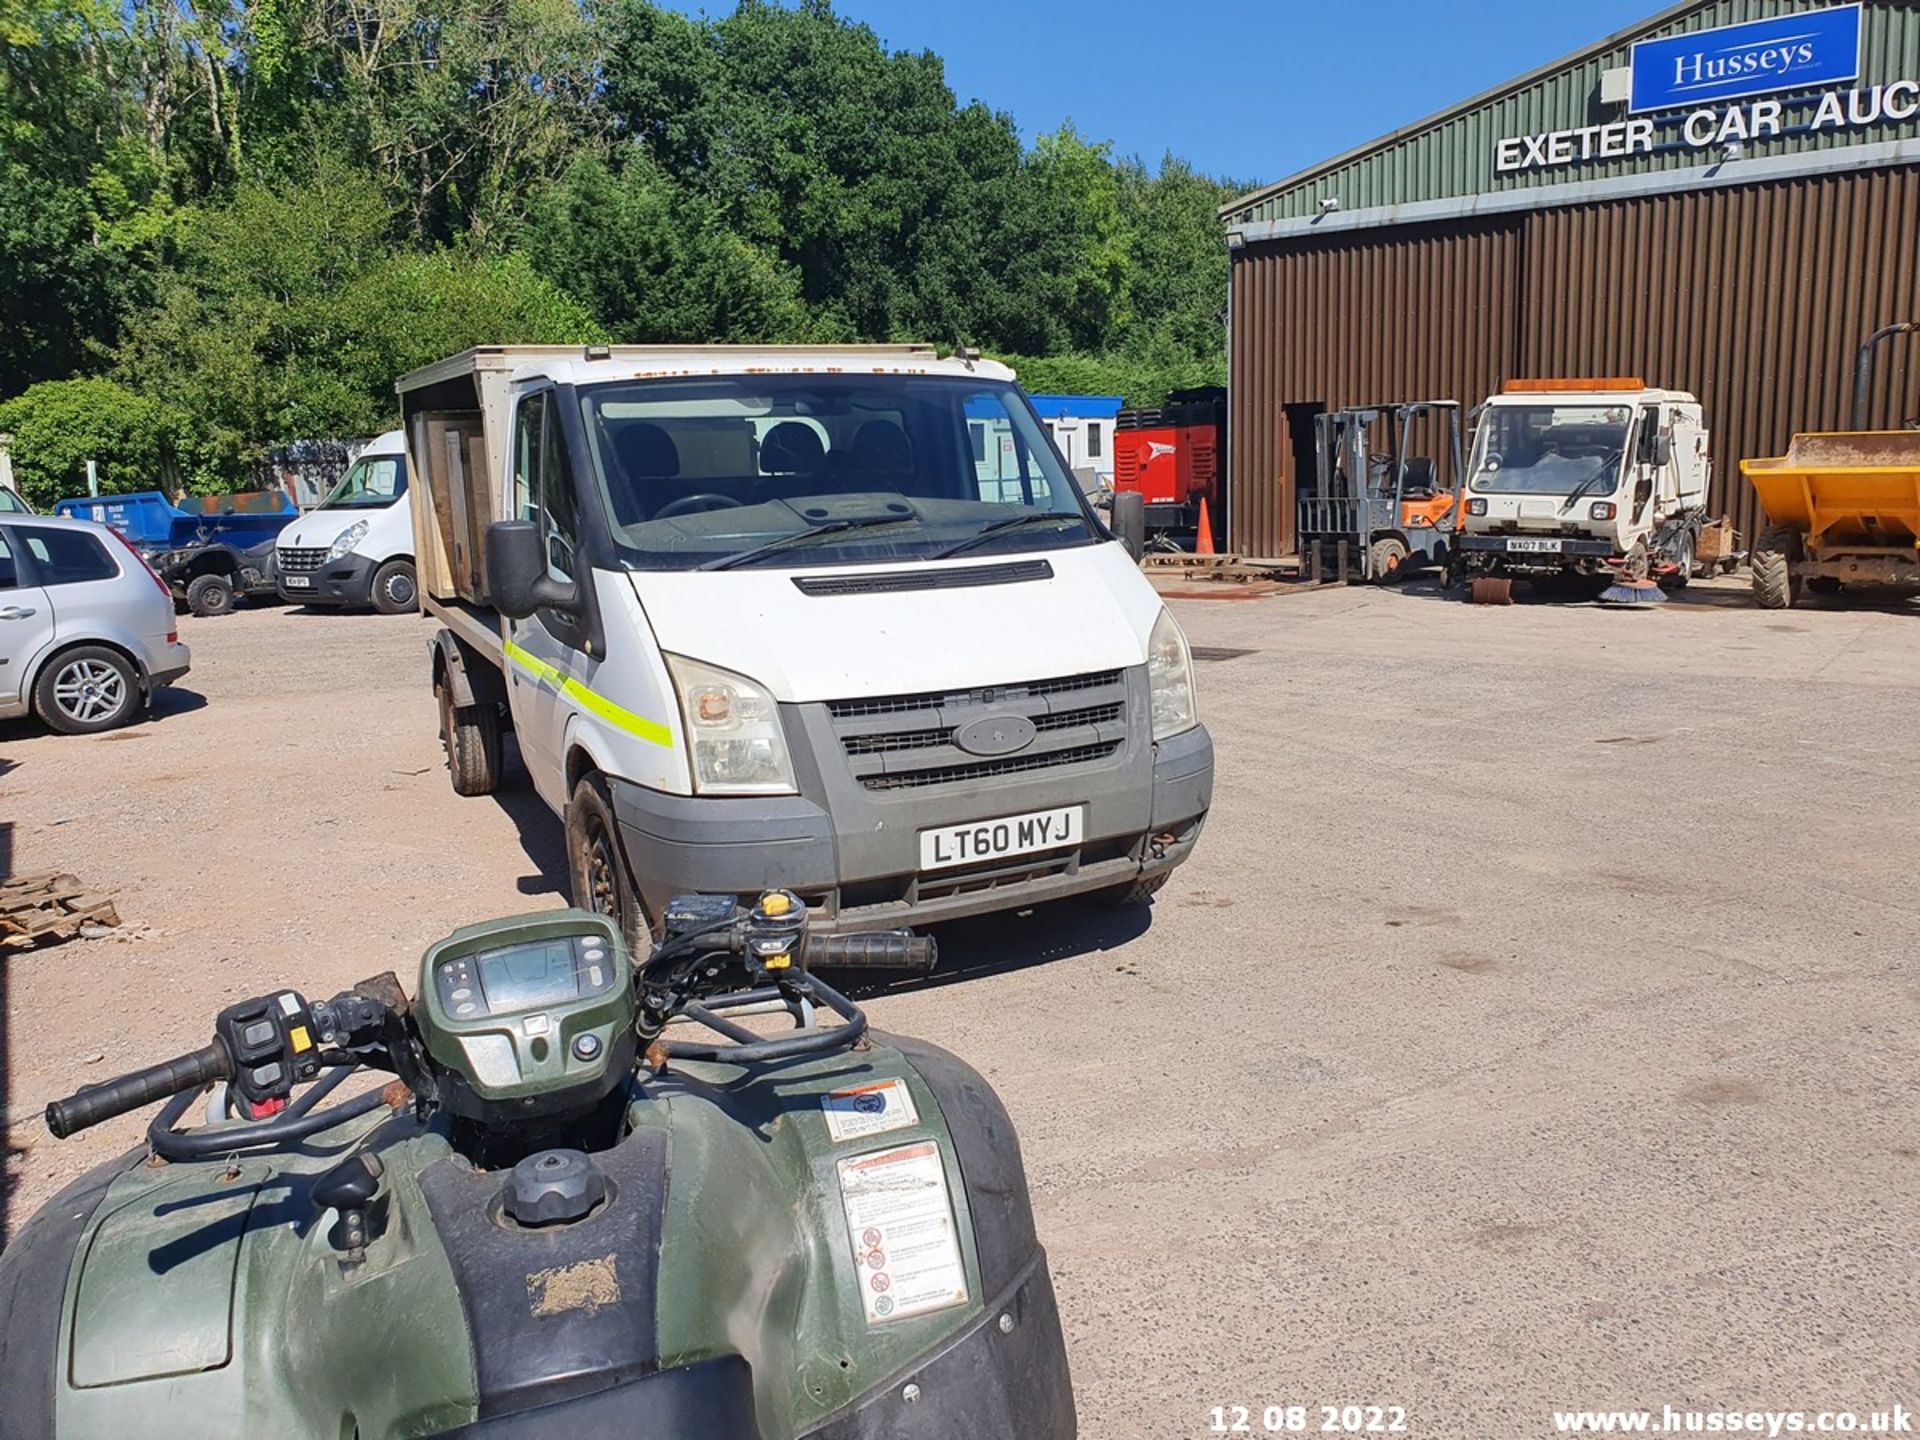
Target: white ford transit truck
831,619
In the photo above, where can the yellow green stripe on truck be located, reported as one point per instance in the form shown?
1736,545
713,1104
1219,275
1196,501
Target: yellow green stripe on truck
651,731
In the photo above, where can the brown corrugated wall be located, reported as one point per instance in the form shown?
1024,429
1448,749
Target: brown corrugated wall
1754,298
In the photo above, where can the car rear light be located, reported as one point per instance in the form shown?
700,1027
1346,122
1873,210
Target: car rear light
141,561
1603,510
1476,507
173,637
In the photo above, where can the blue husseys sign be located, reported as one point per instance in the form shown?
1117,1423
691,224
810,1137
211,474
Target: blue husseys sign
1789,52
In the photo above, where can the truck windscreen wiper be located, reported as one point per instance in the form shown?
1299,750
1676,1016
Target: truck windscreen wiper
1001,527
800,537
1607,467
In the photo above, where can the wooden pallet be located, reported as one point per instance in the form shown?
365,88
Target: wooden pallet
43,909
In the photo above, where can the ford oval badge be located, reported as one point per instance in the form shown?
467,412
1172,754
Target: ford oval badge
995,735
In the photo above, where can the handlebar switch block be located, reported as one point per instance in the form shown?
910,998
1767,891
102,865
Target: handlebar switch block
271,1042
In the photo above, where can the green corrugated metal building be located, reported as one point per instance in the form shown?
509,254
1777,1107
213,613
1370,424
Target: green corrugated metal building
1723,199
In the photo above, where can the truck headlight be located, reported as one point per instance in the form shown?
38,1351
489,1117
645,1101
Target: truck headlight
733,730
1603,510
1477,507
1170,679
344,542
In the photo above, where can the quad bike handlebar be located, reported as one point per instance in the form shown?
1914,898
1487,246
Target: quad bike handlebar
97,1103
265,1046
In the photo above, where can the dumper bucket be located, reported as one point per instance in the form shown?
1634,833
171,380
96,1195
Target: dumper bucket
1850,488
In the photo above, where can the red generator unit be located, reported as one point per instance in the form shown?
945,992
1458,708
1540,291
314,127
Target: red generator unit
1176,457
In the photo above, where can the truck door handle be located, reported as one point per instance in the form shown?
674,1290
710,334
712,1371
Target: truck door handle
17,612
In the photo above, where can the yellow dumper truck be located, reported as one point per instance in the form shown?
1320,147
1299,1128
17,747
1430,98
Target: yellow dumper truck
1843,509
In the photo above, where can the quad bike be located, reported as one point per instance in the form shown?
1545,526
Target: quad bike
559,1219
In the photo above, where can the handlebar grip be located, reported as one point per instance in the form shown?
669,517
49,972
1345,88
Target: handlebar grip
95,1103
883,950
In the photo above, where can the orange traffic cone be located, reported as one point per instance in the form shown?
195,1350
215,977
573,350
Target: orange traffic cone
1203,542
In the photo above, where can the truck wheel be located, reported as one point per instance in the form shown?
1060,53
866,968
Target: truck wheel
1136,892
1775,586
210,595
395,591
597,864
1683,565
471,736
1387,558
86,690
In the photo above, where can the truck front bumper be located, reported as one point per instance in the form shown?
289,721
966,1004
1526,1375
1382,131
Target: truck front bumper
1144,816
1481,553
348,581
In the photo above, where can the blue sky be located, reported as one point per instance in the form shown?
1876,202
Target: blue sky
1250,89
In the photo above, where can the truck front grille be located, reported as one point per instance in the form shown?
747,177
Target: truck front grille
301,562
901,742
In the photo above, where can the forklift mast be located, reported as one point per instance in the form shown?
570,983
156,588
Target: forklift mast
1386,495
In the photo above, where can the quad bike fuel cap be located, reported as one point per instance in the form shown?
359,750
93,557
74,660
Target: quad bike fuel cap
553,1187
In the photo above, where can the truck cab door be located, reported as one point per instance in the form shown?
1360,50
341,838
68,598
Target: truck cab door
543,650
26,622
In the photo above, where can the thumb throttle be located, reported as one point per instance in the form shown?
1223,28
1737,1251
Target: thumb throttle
96,1103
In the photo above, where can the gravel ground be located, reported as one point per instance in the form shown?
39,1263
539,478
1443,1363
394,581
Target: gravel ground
1535,1028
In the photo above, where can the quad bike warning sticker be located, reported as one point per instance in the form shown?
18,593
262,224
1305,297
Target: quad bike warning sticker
869,1110
906,1247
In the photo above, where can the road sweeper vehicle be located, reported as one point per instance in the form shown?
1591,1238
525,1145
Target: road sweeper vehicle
1579,483
764,616
1843,509
592,1202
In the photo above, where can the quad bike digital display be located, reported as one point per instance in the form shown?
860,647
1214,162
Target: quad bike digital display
696,1197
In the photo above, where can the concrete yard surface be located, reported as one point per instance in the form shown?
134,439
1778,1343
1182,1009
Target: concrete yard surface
1534,1030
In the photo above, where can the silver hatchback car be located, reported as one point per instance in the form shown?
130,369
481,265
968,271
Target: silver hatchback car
87,631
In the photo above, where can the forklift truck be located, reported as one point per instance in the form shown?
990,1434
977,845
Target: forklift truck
1386,491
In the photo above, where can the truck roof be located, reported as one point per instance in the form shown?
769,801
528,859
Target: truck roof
1596,392
589,364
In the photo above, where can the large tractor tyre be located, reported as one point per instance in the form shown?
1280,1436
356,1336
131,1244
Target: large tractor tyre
1775,586
471,735
87,689
1683,565
210,595
395,590
1387,560
597,865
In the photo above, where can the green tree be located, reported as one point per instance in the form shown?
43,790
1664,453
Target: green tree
59,425
655,262
290,314
1177,257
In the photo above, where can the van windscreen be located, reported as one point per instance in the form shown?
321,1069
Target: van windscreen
883,467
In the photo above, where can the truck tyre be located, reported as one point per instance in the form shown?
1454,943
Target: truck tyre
597,864
395,591
87,689
1387,559
471,735
1775,586
1683,564
210,595
1137,892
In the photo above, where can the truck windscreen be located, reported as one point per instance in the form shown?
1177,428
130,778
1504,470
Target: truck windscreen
1550,449
835,468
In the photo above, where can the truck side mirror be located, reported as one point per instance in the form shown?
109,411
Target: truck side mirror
1663,448
1130,521
517,577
